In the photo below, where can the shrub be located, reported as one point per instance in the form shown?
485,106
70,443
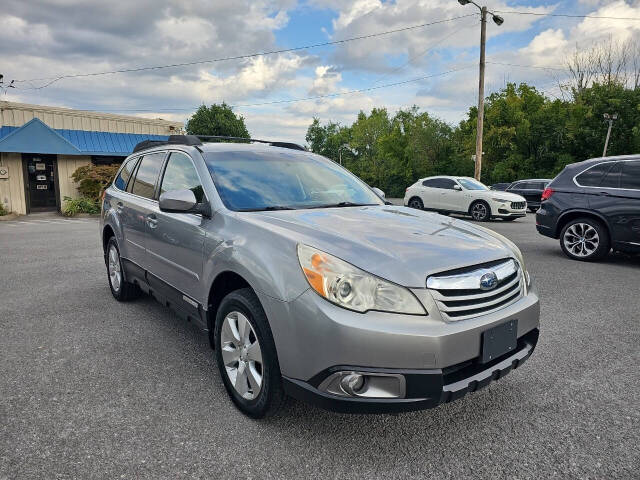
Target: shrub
3,211
74,206
93,179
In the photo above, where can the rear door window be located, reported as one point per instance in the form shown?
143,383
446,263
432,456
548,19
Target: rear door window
443,183
630,178
144,183
125,174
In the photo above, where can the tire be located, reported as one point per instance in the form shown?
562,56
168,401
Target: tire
480,211
585,239
509,219
416,202
121,290
241,325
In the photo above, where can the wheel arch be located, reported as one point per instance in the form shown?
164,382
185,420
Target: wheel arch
224,283
569,215
107,233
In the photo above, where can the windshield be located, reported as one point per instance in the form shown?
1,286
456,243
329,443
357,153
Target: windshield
274,180
471,184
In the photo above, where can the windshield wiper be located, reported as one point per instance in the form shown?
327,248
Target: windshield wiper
267,209
344,204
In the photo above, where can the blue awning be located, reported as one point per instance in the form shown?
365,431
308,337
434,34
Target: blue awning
37,137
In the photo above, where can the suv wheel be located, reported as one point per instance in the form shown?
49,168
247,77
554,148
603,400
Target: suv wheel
120,289
585,239
480,211
415,202
246,355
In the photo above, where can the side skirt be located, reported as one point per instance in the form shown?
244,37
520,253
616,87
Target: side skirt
184,306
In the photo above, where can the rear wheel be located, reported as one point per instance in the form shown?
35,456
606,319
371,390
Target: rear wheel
480,211
120,289
246,355
585,239
416,202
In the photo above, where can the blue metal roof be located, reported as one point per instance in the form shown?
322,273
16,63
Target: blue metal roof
37,137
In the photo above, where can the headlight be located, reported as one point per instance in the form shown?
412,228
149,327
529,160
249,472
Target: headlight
349,287
500,200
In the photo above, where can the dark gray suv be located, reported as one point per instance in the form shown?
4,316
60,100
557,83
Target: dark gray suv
309,284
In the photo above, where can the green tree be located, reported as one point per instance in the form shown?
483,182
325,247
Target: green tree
217,120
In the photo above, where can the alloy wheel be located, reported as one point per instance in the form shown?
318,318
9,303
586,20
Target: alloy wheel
581,239
479,211
115,275
241,355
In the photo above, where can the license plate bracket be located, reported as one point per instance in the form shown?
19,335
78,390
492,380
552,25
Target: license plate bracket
499,340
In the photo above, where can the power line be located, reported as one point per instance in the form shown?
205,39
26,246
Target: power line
422,54
239,57
565,15
349,92
293,100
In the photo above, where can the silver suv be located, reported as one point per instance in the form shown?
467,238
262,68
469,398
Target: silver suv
309,284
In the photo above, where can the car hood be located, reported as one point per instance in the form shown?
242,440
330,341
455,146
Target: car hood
399,244
502,195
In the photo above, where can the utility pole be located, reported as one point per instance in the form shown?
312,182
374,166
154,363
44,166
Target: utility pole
344,145
610,119
483,40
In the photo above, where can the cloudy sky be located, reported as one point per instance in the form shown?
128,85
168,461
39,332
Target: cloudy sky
43,39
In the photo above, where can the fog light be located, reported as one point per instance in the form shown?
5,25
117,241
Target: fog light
352,383
364,384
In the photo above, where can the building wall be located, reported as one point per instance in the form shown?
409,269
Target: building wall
67,164
17,114
12,189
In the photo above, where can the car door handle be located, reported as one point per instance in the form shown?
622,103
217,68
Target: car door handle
605,194
119,207
152,220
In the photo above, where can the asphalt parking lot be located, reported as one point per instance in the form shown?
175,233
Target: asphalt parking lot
91,388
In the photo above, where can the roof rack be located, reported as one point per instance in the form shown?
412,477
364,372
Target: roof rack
199,139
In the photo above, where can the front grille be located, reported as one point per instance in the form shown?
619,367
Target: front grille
518,205
458,294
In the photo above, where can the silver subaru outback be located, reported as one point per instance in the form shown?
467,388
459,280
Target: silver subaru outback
309,284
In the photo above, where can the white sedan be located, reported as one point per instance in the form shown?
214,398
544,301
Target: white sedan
464,195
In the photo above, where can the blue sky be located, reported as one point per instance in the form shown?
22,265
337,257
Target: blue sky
47,38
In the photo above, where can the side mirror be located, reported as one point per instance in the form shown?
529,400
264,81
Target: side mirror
378,192
457,187
182,201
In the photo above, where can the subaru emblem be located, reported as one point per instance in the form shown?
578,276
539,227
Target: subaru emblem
488,281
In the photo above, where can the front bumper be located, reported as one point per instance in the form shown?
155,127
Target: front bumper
424,388
505,210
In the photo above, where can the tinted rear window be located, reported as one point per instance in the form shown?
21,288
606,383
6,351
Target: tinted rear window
612,178
147,175
593,176
630,175
125,174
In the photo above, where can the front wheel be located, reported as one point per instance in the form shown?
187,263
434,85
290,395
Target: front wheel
246,355
480,211
585,239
